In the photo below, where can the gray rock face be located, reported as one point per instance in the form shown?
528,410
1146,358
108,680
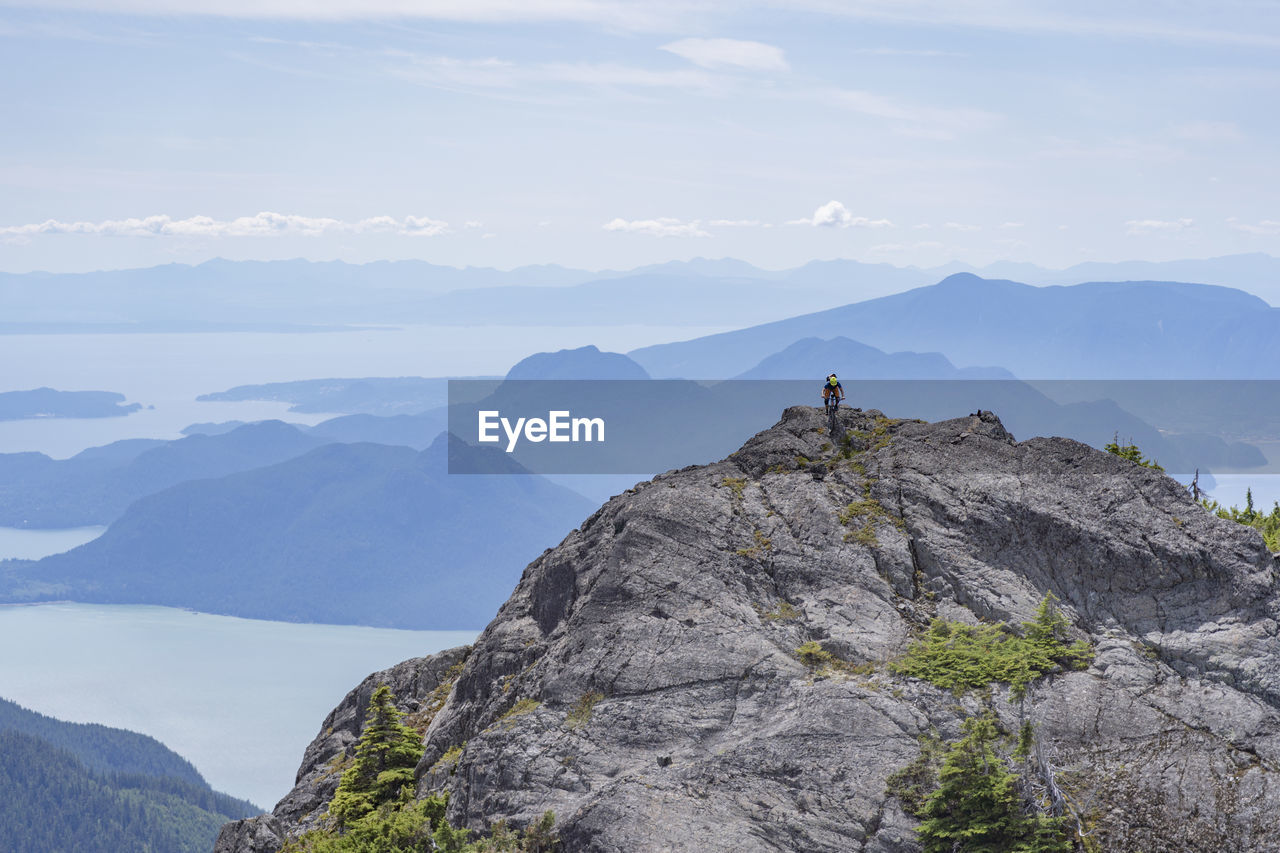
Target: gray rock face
642,681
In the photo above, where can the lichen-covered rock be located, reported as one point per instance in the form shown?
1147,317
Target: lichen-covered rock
643,682
262,834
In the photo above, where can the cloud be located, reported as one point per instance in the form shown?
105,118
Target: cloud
1084,18
264,224
1249,24
1009,226
959,226
833,214
1265,227
509,78
625,14
1157,226
721,53
661,227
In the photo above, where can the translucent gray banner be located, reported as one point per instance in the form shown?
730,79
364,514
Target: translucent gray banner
643,427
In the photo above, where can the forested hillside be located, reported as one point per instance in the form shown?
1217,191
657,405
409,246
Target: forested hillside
90,788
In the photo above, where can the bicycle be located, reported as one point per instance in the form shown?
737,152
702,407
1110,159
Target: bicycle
832,403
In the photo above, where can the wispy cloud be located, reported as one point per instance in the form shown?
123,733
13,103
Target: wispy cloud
623,14
961,226
498,75
1265,227
661,227
1250,24
265,224
729,53
833,214
1157,226
1087,18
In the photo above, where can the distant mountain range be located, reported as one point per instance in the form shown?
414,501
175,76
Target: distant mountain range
272,520
297,295
814,358
345,534
1102,330
95,789
404,395
95,486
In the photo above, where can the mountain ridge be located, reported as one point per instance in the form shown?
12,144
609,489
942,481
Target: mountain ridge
1119,330
686,616
343,534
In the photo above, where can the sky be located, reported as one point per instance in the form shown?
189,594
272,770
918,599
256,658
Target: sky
603,134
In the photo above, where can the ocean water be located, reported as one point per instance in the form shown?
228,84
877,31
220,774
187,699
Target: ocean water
168,371
1231,489
239,698
20,544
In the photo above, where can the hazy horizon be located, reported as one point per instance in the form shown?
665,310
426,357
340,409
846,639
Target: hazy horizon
620,268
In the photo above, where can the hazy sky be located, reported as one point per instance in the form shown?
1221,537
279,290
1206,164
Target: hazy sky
610,134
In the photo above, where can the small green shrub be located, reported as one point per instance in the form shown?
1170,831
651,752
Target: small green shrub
865,535
524,706
395,827
735,485
1131,452
762,545
449,759
913,783
580,714
784,612
813,655
869,507
960,657
408,826
1268,524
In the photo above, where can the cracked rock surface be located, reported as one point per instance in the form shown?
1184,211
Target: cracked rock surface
642,681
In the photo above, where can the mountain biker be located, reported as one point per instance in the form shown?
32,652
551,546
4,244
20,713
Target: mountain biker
832,389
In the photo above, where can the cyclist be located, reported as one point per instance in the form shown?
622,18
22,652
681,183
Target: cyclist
832,391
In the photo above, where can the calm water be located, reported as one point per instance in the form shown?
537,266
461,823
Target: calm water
1229,490
239,698
16,544
169,371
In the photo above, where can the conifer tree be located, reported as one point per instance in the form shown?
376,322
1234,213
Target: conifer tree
384,761
977,807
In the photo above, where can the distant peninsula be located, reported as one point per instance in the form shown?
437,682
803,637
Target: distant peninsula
49,403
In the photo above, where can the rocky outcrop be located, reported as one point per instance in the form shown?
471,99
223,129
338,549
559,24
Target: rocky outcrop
643,683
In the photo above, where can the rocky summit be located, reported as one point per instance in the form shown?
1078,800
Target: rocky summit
645,683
